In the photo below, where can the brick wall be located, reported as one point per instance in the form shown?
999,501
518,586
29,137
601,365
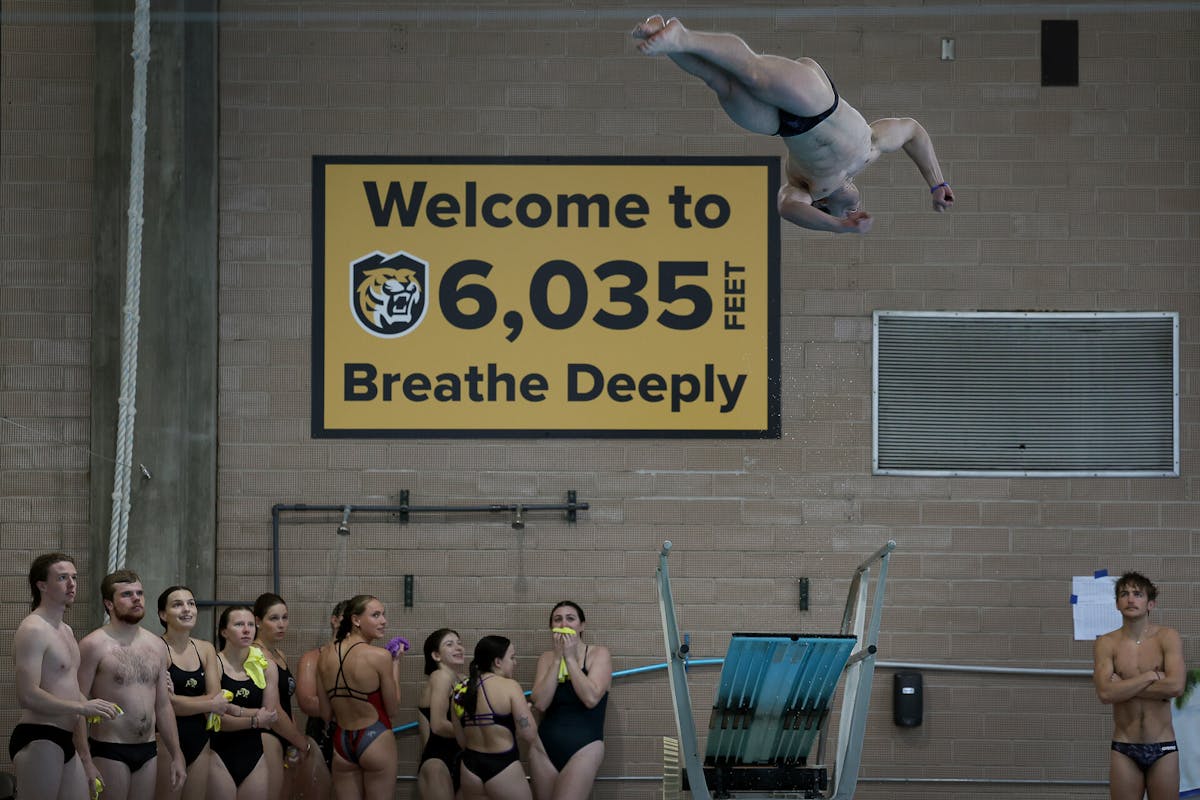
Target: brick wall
45,308
1068,198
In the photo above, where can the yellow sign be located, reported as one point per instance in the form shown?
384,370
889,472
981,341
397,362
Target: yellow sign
545,297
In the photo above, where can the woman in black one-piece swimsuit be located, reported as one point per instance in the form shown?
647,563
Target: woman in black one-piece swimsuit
438,772
287,745
196,692
239,771
571,691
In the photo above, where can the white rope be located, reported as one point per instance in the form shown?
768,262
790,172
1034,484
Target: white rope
126,406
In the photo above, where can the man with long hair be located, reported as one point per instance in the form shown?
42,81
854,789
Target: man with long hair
44,744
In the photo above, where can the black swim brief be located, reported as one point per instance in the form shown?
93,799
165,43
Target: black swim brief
1144,754
133,755
486,766
27,732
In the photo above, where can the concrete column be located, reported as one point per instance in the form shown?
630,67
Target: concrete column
172,522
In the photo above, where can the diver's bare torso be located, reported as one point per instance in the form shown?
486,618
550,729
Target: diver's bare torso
823,159
1140,719
128,671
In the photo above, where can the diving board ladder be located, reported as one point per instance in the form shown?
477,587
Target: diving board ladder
773,700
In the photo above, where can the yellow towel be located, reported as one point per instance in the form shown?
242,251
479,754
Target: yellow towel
95,718
214,719
456,696
256,662
562,663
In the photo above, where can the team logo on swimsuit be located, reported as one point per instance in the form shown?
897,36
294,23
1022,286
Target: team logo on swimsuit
387,293
191,683
242,693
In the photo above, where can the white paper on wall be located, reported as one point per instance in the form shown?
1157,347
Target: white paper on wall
1094,605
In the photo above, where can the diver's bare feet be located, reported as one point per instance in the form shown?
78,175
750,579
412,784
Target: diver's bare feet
668,39
652,25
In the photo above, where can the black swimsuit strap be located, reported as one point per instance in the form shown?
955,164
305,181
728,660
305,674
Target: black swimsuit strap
171,655
487,699
239,680
341,687
485,718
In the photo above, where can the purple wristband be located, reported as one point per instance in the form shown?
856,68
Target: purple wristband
394,645
940,185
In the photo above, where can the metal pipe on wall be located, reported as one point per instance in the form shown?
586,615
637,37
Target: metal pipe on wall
404,508
519,511
1006,781
984,669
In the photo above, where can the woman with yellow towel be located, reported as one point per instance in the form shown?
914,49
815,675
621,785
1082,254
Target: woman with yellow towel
239,770
571,691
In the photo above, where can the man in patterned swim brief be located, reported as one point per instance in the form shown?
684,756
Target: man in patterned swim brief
1139,670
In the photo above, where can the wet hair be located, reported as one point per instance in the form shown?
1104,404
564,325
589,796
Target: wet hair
39,570
487,651
432,643
572,604
223,622
355,606
1136,580
166,595
339,609
264,602
108,586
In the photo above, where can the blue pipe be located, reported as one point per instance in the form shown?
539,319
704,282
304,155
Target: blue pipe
698,662
693,662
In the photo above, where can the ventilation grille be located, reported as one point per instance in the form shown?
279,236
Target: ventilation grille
1026,394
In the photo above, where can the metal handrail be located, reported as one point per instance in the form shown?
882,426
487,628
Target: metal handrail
860,672
856,582
860,668
676,667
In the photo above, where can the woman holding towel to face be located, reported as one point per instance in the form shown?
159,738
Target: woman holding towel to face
571,690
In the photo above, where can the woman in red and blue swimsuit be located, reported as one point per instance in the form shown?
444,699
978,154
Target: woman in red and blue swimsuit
492,714
360,685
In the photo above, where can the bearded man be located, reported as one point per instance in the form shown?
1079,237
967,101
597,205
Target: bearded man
127,665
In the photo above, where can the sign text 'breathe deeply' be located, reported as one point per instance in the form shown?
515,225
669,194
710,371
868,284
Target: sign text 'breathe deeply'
544,297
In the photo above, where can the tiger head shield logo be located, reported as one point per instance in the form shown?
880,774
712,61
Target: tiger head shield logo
387,293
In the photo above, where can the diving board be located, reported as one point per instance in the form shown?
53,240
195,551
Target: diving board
773,703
